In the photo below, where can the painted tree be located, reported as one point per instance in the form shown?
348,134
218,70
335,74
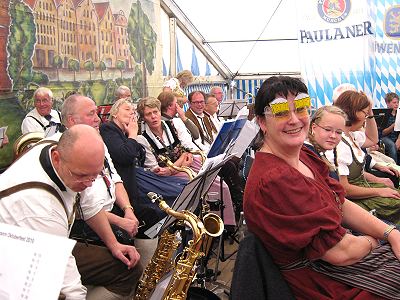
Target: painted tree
57,64
20,44
121,66
102,68
89,66
73,65
142,41
136,83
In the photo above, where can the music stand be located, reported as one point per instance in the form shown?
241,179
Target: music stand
227,135
380,116
230,108
190,197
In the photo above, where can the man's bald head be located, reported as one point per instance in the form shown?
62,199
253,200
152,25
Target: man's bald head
79,154
79,109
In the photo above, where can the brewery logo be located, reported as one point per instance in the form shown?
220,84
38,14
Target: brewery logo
391,23
334,11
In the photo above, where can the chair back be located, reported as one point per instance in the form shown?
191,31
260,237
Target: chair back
255,275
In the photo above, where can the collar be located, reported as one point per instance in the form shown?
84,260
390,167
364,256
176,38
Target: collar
47,166
167,117
197,115
166,132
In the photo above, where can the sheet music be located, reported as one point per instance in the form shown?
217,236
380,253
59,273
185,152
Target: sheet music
227,135
32,263
246,136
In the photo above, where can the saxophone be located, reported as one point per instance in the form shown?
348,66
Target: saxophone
160,264
170,164
185,269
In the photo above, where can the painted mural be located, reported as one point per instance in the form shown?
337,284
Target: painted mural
89,46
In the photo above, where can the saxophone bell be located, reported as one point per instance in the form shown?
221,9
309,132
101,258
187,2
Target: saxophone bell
213,224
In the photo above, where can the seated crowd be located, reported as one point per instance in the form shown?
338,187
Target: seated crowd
321,205
103,188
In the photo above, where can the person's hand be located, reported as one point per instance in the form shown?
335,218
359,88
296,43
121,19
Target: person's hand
125,253
180,112
162,171
397,144
132,127
187,159
130,225
394,241
388,192
387,169
385,181
5,141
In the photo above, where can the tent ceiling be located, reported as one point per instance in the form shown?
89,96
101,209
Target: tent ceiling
268,26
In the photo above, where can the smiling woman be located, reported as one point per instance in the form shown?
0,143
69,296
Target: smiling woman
296,210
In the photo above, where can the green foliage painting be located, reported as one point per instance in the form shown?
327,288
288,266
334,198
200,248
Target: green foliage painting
21,44
142,41
45,48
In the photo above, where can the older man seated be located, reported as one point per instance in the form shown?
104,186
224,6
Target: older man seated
66,169
42,118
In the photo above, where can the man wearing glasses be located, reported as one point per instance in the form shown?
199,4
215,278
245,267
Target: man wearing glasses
107,193
42,118
202,120
69,168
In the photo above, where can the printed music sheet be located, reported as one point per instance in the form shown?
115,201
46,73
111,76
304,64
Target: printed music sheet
32,263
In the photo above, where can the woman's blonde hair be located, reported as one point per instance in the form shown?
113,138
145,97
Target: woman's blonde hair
114,109
150,102
316,118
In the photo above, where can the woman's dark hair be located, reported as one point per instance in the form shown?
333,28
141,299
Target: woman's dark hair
277,85
351,102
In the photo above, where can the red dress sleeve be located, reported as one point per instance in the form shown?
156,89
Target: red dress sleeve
295,216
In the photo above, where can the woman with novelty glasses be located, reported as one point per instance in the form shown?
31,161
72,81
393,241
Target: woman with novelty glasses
366,190
297,211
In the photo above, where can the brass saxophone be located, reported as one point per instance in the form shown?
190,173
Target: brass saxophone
185,269
160,264
192,174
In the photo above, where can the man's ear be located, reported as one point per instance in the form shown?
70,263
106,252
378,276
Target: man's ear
55,157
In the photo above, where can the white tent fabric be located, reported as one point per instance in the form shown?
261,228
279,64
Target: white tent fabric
227,24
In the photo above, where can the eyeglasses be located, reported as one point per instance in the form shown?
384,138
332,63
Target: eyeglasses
80,178
197,102
42,101
279,107
330,130
366,114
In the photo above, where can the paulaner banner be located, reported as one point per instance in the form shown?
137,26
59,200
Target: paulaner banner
386,15
336,45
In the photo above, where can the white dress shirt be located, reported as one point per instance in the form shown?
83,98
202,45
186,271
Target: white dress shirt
29,124
39,210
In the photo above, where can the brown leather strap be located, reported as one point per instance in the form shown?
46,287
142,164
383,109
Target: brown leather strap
34,185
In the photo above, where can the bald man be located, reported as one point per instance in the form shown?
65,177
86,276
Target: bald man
108,195
68,167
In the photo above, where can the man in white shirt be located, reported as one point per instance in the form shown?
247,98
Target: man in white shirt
107,193
42,118
170,110
217,92
230,170
211,108
202,120
68,167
